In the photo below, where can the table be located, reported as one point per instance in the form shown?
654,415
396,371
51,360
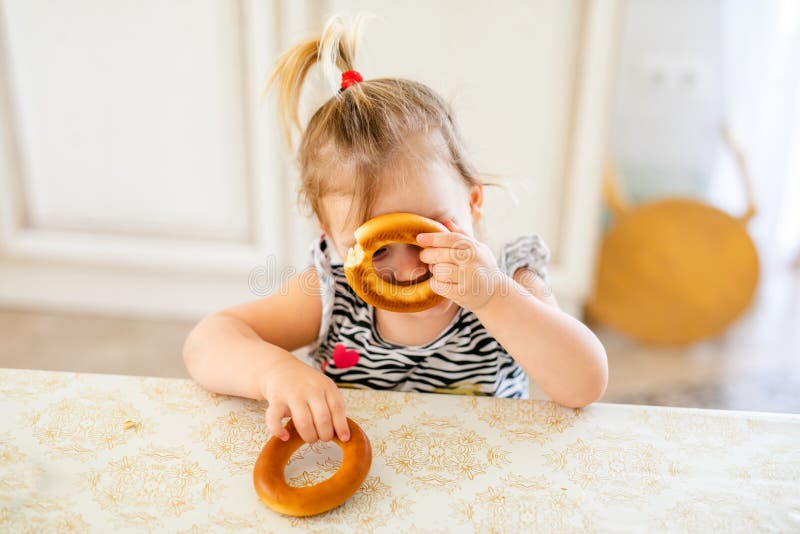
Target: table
108,453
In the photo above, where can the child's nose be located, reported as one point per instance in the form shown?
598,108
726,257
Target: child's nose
399,262
407,265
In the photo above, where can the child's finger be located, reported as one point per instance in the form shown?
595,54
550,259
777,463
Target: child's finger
453,227
446,289
446,255
336,406
275,412
322,418
446,272
303,422
444,239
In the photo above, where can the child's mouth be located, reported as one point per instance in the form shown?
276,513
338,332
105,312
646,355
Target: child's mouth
411,282
390,277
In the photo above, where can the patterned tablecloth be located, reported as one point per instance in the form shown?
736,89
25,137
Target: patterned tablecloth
107,453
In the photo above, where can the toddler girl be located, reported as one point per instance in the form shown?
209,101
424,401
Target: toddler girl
382,146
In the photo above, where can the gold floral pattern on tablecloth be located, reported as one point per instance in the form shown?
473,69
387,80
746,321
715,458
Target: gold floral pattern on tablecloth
18,477
769,471
440,455
83,425
721,512
313,463
522,506
184,396
152,485
225,522
236,437
367,406
42,513
23,508
616,467
708,430
108,453
523,420
773,465
312,450
30,384
361,513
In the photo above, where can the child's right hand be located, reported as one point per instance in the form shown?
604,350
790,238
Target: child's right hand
311,399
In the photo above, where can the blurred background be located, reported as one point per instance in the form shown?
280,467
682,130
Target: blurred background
654,144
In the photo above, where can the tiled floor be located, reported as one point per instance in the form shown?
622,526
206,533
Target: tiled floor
71,342
754,366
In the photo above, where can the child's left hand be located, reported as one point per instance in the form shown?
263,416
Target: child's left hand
464,269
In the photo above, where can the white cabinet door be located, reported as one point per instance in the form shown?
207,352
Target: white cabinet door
141,172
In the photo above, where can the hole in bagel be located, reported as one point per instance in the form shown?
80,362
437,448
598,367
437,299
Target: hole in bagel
399,264
312,464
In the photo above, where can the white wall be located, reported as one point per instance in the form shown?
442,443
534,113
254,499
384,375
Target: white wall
687,67
141,173
668,102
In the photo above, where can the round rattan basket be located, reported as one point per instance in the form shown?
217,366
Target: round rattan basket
676,270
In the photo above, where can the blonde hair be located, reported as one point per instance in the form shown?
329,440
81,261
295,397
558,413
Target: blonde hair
362,128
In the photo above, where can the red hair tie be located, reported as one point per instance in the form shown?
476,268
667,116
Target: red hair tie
349,78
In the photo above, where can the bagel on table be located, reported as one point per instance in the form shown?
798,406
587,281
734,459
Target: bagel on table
270,482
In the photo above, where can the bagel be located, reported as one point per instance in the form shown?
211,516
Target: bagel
270,482
360,273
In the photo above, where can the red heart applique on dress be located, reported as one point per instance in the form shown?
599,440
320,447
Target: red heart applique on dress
342,358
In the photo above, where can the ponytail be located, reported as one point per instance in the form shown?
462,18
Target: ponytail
353,143
334,50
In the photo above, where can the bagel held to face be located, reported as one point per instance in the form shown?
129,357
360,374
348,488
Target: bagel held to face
456,266
364,278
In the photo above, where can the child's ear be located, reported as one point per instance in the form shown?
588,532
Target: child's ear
476,201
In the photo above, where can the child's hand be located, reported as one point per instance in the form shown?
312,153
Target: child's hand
464,269
311,399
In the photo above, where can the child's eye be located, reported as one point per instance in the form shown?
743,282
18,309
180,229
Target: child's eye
379,252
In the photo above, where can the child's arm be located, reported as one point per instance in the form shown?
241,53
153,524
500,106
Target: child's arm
245,351
559,352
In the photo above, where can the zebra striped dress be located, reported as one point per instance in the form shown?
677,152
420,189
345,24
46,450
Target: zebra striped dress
464,358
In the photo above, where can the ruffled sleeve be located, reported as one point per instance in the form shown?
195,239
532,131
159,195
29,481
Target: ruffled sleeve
527,250
320,259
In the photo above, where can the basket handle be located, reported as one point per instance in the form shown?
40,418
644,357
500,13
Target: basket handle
744,174
616,201
612,191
